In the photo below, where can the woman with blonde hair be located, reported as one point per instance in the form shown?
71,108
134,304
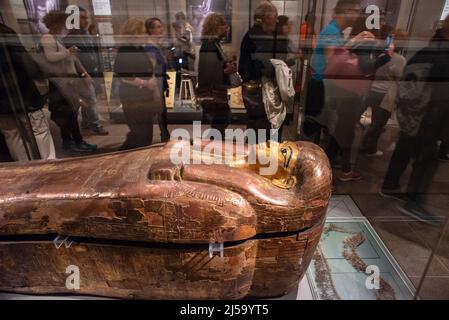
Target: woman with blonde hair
213,73
138,90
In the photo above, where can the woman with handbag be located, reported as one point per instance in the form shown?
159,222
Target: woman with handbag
214,74
63,112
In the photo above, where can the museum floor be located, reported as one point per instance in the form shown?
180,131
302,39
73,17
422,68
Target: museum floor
410,242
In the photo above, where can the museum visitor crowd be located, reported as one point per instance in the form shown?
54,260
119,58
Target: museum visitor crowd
349,73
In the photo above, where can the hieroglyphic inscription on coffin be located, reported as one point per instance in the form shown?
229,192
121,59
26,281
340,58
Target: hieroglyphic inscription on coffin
212,197
189,214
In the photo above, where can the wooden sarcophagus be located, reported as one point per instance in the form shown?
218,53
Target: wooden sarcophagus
134,225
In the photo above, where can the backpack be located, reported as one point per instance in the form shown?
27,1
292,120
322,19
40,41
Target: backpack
413,98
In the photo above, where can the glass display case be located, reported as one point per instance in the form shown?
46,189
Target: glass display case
366,81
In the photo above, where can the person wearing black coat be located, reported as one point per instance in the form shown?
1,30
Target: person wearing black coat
259,45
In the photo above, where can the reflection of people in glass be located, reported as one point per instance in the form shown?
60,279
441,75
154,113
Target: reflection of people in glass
139,93
213,73
331,37
62,113
423,114
382,95
89,55
155,30
14,55
347,104
257,48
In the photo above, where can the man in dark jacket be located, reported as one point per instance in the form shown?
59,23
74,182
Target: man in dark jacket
89,57
19,98
423,116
